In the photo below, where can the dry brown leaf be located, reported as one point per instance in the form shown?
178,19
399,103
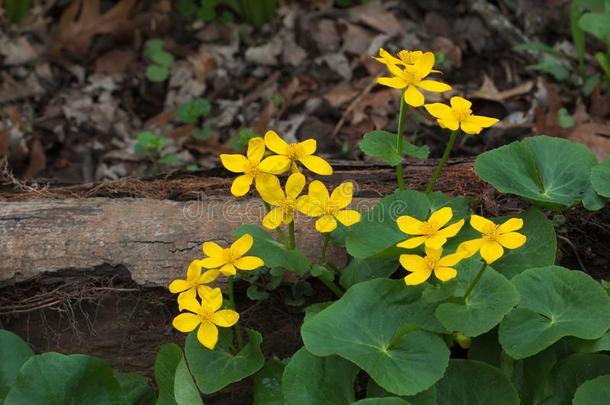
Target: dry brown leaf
488,90
451,51
375,104
38,160
595,136
204,64
340,94
82,20
375,16
600,103
115,61
547,122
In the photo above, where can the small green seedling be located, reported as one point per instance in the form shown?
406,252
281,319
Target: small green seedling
240,141
190,112
162,61
150,145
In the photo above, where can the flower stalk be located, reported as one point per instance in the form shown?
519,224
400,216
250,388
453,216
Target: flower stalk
400,140
475,280
238,331
291,233
442,162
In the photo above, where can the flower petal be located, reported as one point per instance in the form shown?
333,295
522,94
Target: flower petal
208,334
451,230
470,247
186,322
450,260
451,123
393,82
188,301
194,270
434,253
348,217
212,299
409,225
178,286
491,251
242,245
309,206
341,196
209,276
319,192
225,318
435,241
317,165
439,110
511,240
241,185
414,97
433,86
256,150
326,223
234,163
470,128
481,224
213,262
274,218
412,242
306,148
270,189
276,164
228,269
249,263
413,263
212,249
386,57
460,103
202,290
510,225
295,184
424,65
275,143
482,121
445,273
417,277
440,217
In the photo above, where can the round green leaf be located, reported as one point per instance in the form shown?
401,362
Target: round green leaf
215,369
135,389
359,270
13,353
470,382
492,298
555,302
157,73
57,379
312,380
173,379
591,346
600,178
382,401
375,326
597,24
552,172
268,383
595,391
572,372
382,144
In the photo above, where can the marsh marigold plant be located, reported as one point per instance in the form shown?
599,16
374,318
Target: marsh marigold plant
494,238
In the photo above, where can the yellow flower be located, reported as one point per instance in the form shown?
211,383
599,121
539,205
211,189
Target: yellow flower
290,153
411,78
421,268
285,203
194,282
405,58
430,232
495,238
231,258
459,115
330,209
206,316
250,165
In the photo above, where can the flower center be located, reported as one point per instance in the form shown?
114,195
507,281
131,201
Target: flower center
462,114
492,233
407,57
228,255
205,313
287,204
428,228
291,152
430,262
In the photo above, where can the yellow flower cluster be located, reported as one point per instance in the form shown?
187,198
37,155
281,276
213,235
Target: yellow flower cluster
409,73
205,313
434,233
285,202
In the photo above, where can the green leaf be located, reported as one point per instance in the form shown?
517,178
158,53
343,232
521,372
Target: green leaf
572,372
382,401
551,172
311,380
492,298
359,270
256,294
173,383
17,10
169,159
367,327
564,118
13,352
57,379
591,346
152,46
190,111
163,58
596,24
135,388
381,222
555,302
486,348
215,369
595,391
157,73
274,253
551,67
470,382
382,144
604,63
427,397
322,272
268,383
600,178
201,134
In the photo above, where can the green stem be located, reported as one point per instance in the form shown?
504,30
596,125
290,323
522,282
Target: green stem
474,282
238,331
332,286
442,162
293,243
324,248
399,141
280,232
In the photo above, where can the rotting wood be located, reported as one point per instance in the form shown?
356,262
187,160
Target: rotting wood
155,228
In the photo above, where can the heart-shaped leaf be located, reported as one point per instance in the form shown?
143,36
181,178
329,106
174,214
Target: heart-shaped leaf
555,302
382,144
600,178
492,298
13,352
595,391
551,172
359,270
135,389
312,380
268,383
215,369
381,326
572,372
173,379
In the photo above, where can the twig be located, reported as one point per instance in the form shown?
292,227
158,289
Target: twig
353,104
